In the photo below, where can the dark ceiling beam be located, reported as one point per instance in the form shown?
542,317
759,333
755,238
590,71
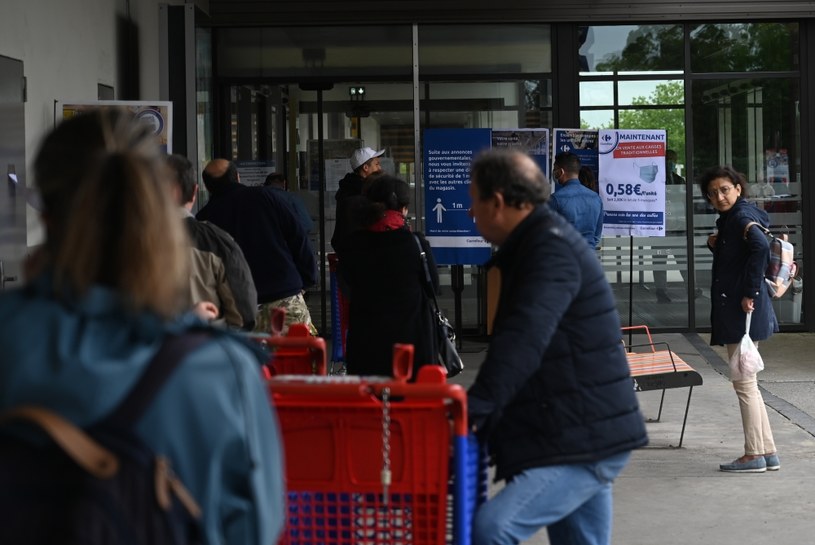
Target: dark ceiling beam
367,12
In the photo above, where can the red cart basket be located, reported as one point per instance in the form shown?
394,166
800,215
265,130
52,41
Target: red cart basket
378,461
296,353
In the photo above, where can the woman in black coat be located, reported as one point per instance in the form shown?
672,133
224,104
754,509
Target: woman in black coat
388,301
739,260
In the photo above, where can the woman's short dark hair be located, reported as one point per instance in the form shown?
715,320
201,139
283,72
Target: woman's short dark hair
511,173
385,192
728,172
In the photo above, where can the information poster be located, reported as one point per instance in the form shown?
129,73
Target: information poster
632,181
254,173
450,231
581,142
533,142
336,157
157,114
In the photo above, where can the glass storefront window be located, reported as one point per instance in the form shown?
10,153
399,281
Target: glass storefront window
315,52
204,106
744,47
650,92
596,119
596,93
624,85
446,50
753,125
631,49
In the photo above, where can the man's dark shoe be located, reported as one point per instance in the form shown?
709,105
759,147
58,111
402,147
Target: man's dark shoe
662,297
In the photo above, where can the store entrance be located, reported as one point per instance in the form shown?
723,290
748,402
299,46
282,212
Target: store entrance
308,132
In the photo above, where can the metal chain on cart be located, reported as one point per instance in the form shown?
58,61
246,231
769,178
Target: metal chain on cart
385,475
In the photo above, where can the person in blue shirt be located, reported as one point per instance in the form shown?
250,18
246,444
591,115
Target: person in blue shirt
580,205
106,289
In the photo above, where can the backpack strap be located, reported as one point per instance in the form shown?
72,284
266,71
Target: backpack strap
164,362
763,229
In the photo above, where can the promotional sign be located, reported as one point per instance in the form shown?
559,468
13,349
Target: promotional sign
157,114
632,181
581,142
451,232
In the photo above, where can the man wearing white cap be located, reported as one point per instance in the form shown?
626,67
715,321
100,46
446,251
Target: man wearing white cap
364,162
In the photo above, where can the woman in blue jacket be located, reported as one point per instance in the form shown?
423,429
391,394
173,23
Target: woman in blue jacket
739,262
108,290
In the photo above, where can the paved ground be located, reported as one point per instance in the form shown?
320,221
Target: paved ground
671,495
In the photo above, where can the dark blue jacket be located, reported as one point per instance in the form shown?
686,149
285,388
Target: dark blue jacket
350,189
388,300
738,272
273,240
555,386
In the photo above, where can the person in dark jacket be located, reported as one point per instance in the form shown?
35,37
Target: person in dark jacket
384,272
364,162
273,240
739,261
553,399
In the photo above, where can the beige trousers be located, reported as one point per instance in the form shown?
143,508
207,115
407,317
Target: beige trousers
758,437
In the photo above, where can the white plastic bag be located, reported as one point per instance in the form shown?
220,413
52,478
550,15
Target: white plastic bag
746,361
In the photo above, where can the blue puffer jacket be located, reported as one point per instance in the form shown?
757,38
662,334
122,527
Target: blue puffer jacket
555,386
212,418
738,272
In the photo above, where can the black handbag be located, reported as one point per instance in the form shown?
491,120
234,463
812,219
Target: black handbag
445,334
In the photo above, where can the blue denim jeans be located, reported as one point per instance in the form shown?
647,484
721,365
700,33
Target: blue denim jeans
572,500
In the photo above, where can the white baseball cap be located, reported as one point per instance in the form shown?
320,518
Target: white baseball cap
362,156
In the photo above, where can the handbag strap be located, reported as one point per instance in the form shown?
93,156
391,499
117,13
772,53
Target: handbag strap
164,362
428,282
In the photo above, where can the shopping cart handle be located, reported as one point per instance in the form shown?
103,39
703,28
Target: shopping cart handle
402,362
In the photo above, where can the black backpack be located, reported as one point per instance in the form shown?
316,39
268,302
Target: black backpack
101,485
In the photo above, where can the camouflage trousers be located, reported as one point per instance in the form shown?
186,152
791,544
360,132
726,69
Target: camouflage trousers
296,313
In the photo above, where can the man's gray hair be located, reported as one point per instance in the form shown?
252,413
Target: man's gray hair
513,174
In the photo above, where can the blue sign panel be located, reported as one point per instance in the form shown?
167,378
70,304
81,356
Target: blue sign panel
450,231
581,142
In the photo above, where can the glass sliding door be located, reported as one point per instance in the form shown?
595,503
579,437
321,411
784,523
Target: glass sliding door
482,76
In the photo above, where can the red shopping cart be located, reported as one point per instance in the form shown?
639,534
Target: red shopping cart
296,353
378,461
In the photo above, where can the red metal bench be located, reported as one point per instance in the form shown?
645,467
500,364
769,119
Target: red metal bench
659,369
